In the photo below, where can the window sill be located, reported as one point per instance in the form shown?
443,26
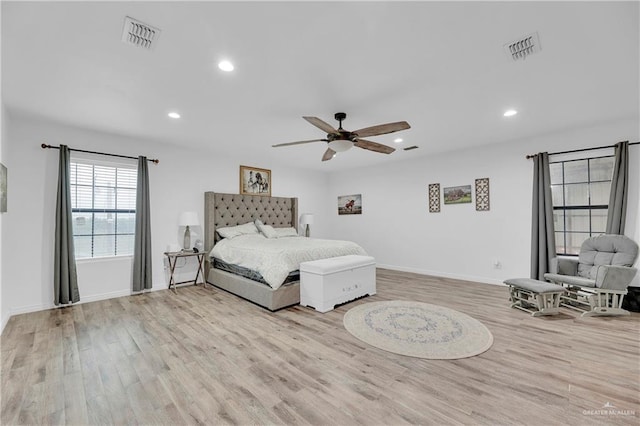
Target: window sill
104,259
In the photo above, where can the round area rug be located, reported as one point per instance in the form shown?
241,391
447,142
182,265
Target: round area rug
418,329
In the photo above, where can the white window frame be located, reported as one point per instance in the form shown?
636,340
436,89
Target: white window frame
564,158
95,160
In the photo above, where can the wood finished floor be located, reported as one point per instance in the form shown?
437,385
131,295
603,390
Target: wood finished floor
204,356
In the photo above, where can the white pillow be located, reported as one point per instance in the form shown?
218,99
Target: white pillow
235,231
266,230
286,232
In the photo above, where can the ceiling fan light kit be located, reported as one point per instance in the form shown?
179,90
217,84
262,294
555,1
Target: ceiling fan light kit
340,145
340,140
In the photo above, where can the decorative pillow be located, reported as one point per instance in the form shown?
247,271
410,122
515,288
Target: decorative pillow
235,231
266,230
286,232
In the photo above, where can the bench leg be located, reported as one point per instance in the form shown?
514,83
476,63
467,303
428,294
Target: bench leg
535,303
548,304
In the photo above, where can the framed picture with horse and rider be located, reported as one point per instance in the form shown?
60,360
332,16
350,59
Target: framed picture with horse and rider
255,181
350,204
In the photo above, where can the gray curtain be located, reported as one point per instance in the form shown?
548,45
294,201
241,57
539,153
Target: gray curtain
65,280
142,247
619,189
543,240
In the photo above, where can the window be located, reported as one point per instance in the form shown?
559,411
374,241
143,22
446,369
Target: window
103,206
580,190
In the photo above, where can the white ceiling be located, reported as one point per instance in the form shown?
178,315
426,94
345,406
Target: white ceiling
439,66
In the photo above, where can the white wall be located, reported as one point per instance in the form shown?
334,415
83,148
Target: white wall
177,184
459,242
4,306
4,312
395,226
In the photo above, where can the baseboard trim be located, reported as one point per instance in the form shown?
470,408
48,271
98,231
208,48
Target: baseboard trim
28,309
5,320
85,299
481,280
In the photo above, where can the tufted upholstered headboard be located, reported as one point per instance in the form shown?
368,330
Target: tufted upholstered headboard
221,210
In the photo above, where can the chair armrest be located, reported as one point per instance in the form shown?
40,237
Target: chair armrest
564,266
614,277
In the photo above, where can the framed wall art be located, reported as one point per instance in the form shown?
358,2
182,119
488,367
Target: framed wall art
255,181
482,194
434,198
350,204
457,194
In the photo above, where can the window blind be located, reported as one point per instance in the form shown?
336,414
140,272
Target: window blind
103,207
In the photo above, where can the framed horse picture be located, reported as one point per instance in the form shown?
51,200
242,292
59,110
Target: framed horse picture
255,181
350,204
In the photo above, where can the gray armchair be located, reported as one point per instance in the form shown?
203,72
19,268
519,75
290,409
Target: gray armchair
597,281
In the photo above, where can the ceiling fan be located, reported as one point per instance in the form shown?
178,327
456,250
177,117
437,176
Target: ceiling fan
340,140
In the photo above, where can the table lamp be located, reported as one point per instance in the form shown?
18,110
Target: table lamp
306,219
188,219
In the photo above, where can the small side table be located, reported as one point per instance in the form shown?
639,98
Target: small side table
173,257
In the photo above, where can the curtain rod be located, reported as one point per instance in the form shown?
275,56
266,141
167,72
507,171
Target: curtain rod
44,146
530,156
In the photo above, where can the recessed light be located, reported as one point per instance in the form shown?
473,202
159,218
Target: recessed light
397,140
174,115
225,66
510,113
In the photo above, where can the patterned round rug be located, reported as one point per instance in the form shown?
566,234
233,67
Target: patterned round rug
418,329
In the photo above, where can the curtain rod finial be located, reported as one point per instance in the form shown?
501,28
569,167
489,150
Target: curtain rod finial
44,145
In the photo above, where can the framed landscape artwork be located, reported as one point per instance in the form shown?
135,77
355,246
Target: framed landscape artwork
350,204
457,194
255,181
3,188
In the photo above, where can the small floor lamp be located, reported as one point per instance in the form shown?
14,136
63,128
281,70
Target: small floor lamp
306,219
188,219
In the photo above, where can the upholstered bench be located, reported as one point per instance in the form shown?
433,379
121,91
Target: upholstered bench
533,296
328,282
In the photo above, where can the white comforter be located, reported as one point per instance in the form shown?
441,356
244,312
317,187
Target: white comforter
275,258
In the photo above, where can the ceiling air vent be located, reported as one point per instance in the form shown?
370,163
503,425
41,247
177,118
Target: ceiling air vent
409,148
139,34
523,47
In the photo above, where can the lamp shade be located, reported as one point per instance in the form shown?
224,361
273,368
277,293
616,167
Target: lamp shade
306,219
340,145
188,219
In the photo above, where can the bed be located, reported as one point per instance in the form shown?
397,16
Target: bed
276,259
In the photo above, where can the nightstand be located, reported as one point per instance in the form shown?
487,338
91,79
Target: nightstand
173,256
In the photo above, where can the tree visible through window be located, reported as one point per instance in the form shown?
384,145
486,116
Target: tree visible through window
103,206
580,190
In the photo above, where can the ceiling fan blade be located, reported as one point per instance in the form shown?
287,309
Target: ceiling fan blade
321,124
382,129
373,146
328,154
299,142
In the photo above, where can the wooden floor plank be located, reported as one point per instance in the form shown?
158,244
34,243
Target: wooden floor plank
204,356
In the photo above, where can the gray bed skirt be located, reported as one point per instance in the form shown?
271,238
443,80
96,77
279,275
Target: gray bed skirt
258,293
